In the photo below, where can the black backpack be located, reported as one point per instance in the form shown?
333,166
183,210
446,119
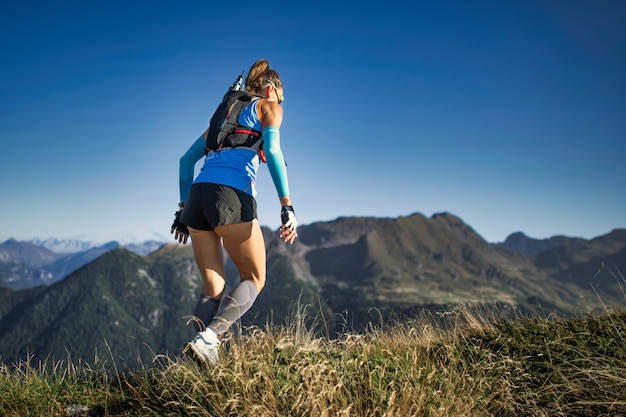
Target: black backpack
224,129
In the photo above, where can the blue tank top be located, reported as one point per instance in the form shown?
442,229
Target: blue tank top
234,167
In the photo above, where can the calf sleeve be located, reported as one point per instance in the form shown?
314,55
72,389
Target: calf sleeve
206,308
233,306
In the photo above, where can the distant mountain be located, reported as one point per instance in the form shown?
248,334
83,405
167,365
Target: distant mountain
393,265
562,257
519,242
64,245
69,263
27,264
28,253
23,264
144,248
352,271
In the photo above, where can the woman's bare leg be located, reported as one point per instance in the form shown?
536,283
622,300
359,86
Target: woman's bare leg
207,249
245,244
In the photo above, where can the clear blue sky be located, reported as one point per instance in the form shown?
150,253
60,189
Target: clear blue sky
508,114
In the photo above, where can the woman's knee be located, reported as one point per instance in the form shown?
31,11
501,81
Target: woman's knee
258,281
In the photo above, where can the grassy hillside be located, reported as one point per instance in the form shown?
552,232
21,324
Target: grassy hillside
355,271
479,366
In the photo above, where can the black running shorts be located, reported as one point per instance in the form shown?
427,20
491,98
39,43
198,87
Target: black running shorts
210,205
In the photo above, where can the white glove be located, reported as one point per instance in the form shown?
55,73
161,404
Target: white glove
288,217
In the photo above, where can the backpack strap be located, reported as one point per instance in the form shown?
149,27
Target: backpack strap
225,130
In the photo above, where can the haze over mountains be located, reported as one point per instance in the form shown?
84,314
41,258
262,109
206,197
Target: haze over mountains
44,262
351,271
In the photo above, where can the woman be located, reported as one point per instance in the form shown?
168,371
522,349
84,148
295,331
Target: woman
219,212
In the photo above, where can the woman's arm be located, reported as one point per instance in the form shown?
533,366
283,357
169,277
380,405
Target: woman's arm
276,162
272,118
187,166
272,114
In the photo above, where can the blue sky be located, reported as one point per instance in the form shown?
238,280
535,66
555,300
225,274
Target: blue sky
508,114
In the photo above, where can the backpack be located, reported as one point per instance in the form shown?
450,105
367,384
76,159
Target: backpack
224,128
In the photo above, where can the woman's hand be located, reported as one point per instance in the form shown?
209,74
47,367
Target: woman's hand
288,235
288,229
181,233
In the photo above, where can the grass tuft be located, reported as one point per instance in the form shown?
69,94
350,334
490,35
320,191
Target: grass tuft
475,365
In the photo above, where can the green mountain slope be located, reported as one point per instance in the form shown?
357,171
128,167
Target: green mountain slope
350,271
130,303
123,306
395,264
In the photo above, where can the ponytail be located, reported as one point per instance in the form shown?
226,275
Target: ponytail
259,75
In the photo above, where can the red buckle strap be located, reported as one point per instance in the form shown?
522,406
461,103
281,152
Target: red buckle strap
248,132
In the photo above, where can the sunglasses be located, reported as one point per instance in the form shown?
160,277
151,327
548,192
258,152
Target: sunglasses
279,98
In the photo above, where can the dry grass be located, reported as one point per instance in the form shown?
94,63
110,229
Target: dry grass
476,366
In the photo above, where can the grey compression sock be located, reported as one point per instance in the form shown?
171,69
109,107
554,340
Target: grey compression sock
233,306
205,310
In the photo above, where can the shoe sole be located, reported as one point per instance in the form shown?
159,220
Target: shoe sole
190,351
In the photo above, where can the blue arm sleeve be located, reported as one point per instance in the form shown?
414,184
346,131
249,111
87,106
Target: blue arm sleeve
275,160
187,165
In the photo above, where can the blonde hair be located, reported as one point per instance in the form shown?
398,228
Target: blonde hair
259,75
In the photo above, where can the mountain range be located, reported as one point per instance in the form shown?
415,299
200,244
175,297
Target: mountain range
44,262
350,273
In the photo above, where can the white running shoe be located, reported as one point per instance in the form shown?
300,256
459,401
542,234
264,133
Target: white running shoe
203,347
